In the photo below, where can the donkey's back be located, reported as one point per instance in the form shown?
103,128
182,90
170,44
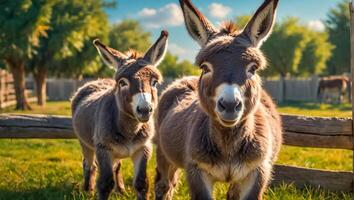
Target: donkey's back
91,89
85,105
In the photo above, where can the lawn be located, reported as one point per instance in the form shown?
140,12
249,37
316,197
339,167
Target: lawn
51,169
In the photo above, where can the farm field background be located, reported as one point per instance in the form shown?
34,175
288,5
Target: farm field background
51,169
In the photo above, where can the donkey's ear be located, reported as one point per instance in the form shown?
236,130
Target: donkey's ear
157,51
197,25
259,27
110,57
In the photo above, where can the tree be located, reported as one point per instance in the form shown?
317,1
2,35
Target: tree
129,34
170,67
338,27
284,48
67,47
22,23
315,54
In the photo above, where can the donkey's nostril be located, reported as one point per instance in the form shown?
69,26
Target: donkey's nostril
238,106
229,106
221,106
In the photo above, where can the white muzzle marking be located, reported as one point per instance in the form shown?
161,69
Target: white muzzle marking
141,100
229,93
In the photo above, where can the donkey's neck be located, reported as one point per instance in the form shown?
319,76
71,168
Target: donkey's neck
126,125
222,135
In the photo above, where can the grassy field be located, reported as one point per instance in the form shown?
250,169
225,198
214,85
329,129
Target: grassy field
51,169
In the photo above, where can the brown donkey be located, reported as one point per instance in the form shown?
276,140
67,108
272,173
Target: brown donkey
111,118
221,126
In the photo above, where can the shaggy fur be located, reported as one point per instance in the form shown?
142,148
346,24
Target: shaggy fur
106,122
191,135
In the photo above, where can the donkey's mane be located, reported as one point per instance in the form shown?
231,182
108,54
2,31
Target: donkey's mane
229,28
132,54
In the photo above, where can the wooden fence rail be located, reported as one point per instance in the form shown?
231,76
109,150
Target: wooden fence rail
298,131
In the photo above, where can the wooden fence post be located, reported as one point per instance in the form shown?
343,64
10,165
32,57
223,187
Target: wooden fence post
351,8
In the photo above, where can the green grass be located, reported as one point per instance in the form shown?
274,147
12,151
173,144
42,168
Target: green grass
314,109
51,169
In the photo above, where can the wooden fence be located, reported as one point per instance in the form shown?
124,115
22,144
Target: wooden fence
296,89
7,90
298,131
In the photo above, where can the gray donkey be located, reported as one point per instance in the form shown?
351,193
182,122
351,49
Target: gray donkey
112,118
221,126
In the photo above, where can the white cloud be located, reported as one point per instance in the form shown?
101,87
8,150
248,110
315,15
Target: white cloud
176,49
146,12
218,10
182,53
168,15
316,25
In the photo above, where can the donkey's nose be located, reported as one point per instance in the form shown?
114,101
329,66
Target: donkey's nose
230,106
144,111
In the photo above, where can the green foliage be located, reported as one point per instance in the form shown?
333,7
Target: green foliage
22,23
338,27
284,48
170,67
294,49
315,54
129,34
67,49
242,20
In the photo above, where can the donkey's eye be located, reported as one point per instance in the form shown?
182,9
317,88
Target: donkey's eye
123,82
154,83
251,69
206,67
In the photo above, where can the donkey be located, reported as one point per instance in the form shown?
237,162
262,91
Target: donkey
221,126
339,85
111,118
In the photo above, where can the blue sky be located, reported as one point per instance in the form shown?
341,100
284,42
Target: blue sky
156,15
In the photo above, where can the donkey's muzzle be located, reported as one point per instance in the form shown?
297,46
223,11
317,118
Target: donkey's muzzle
144,112
229,106
229,110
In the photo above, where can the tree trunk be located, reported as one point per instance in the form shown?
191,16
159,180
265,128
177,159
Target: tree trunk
18,73
40,79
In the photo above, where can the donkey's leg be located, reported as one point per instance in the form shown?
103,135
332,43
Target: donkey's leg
141,182
118,177
173,176
200,184
166,177
251,188
242,189
105,181
89,168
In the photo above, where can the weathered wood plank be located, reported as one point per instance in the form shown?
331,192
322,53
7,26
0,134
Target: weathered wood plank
36,126
301,177
24,126
318,141
317,125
